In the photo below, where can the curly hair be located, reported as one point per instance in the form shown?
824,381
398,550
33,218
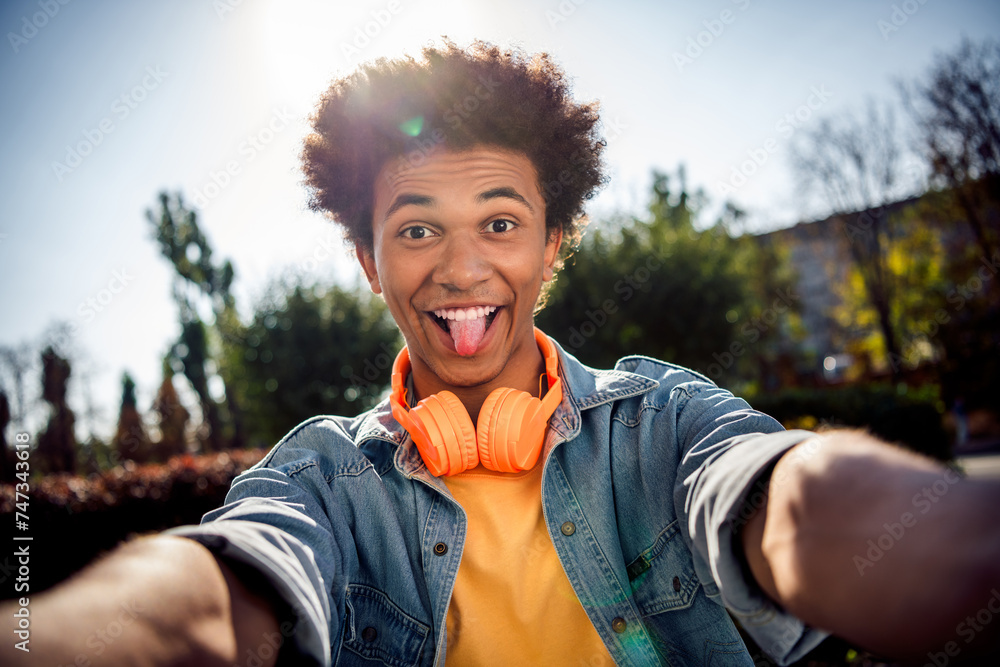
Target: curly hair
456,98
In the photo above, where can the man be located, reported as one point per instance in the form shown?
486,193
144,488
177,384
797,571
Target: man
508,505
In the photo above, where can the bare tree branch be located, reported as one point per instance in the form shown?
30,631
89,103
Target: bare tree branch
857,163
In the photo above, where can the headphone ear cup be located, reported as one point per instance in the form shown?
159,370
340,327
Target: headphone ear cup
450,430
502,445
485,428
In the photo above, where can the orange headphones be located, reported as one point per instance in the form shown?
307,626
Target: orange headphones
511,428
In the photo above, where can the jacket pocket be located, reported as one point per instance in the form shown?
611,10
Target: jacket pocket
377,630
685,626
727,654
663,577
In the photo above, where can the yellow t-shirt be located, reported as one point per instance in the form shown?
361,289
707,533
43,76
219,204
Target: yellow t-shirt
512,603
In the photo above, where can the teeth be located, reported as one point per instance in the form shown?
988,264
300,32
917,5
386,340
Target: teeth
462,314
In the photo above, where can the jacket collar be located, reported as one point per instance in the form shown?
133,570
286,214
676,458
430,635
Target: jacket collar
583,388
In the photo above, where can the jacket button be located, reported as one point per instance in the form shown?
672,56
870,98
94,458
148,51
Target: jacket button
369,634
619,624
568,528
440,548
677,584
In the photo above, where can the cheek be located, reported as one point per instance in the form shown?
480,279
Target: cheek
399,282
528,284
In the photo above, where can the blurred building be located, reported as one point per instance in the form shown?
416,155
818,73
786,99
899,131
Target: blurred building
820,256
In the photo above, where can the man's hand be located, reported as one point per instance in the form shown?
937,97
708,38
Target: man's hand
880,546
155,601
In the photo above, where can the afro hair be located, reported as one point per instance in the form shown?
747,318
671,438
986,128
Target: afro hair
454,98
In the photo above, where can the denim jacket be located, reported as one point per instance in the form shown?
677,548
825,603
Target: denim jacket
647,468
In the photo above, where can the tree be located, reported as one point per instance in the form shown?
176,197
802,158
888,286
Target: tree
16,363
6,467
311,350
957,113
916,265
192,352
184,245
57,443
770,325
661,287
956,109
131,441
857,163
172,417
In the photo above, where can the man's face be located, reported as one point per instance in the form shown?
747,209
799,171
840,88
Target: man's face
460,252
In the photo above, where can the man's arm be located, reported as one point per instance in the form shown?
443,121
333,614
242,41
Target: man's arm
880,546
156,601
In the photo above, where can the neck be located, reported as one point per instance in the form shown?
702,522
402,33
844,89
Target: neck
522,370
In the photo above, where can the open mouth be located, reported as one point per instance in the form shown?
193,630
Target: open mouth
466,326
446,316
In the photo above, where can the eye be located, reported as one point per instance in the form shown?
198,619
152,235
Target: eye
499,226
415,232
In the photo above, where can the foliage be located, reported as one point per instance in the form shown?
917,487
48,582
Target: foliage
172,417
308,351
16,363
6,467
74,518
292,361
942,259
767,351
969,333
916,264
122,484
57,443
131,440
193,352
957,112
662,287
897,413
857,164
184,245
187,249
956,108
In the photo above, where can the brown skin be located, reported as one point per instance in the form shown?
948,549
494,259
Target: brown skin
482,241
154,601
828,497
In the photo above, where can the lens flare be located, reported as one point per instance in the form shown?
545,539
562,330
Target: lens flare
413,126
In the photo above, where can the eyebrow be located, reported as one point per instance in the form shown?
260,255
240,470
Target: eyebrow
424,200
505,192
406,200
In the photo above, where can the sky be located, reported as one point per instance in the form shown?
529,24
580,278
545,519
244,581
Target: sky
105,104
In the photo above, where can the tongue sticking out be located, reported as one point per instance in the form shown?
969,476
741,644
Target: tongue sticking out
467,335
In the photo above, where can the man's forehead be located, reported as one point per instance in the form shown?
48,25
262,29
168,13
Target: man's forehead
483,168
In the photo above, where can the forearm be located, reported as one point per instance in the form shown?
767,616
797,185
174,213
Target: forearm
885,548
156,601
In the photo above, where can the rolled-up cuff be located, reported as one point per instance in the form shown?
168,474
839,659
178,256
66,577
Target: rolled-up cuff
723,498
290,569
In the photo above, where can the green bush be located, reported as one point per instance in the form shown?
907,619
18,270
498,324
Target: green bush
73,519
905,415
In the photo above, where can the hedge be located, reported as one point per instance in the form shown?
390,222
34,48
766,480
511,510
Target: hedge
74,519
904,415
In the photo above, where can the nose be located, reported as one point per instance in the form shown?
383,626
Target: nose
462,264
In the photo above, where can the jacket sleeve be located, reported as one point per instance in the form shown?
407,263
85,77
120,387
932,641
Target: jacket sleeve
281,519
727,452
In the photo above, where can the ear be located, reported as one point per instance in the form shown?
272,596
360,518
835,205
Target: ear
367,261
552,245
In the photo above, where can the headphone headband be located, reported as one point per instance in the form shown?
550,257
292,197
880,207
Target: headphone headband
402,367
446,451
